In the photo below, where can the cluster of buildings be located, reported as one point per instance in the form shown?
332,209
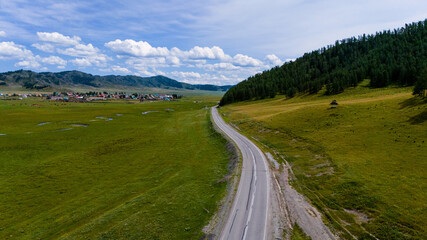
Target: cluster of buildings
93,96
8,96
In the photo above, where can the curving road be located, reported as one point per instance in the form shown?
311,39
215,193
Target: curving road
249,216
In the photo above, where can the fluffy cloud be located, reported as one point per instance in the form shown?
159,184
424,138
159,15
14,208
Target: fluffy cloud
205,78
81,62
218,66
173,60
175,55
87,54
137,49
99,60
2,34
144,59
47,47
10,50
58,38
80,50
120,69
202,53
54,60
273,60
243,60
142,64
144,73
185,74
139,58
28,64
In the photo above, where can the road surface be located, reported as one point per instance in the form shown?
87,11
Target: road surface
249,216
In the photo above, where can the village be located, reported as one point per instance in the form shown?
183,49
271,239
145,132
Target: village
91,96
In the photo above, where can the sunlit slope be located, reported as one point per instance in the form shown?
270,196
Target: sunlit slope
363,163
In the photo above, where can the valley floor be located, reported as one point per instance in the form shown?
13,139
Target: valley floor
107,171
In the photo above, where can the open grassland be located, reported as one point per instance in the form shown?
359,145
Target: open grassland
364,163
107,171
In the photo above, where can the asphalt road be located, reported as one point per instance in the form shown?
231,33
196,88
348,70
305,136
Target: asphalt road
249,216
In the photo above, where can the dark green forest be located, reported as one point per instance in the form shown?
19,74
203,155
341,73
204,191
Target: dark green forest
390,57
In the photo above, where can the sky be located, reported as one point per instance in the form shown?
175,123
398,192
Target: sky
217,42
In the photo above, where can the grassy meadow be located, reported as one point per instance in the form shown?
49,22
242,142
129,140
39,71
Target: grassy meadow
363,164
107,171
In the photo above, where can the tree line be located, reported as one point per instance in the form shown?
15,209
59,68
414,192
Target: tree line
390,57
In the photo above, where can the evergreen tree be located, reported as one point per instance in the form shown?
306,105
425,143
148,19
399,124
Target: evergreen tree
388,57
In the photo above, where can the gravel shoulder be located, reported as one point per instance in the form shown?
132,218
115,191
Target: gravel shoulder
297,209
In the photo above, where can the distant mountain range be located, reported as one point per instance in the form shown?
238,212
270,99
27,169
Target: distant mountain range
67,79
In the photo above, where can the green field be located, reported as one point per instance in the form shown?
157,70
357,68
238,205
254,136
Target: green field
363,164
152,176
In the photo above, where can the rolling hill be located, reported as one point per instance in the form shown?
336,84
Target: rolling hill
389,57
44,80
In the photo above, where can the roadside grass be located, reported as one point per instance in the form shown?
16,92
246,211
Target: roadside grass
363,164
152,176
298,233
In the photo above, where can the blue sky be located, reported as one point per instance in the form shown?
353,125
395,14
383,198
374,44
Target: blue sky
213,41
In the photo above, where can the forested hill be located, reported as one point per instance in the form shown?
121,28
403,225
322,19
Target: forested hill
389,57
33,80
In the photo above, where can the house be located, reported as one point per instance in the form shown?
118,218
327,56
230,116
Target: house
54,98
95,98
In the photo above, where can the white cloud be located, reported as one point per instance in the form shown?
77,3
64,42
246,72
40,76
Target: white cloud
206,53
158,72
121,69
273,60
218,66
174,61
80,50
185,74
31,63
54,60
145,60
47,47
58,38
145,63
201,53
10,50
2,34
244,60
174,56
144,73
137,49
217,79
81,62
87,54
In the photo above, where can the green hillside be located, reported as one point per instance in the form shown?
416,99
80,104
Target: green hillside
389,57
72,79
363,163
